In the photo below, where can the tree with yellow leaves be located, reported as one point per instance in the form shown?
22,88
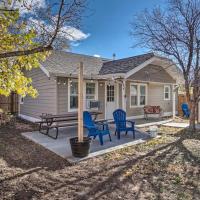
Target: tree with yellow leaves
28,32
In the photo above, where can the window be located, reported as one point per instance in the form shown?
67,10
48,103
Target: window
73,95
134,95
138,95
110,93
142,95
21,100
166,92
90,91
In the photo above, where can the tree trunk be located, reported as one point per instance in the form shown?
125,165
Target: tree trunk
192,116
191,101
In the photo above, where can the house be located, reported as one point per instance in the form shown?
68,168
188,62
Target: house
128,83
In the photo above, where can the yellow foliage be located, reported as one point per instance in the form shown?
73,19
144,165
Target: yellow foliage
15,36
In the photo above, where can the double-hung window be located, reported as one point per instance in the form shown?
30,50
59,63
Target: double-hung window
138,95
90,91
134,95
74,95
167,92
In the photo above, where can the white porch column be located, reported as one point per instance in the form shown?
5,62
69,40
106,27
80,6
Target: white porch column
174,101
124,95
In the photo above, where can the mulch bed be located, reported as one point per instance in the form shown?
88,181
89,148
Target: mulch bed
163,168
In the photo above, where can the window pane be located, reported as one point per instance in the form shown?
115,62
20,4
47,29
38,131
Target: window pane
110,93
166,89
133,90
90,90
142,90
74,88
134,100
166,95
142,100
73,102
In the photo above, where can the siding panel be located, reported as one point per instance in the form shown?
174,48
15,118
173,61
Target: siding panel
46,100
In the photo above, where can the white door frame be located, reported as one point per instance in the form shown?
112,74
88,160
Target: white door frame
116,94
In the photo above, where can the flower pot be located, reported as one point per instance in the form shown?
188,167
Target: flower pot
80,149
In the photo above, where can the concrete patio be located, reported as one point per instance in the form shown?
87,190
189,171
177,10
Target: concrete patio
61,146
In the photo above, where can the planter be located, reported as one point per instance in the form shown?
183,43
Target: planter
153,130
80,149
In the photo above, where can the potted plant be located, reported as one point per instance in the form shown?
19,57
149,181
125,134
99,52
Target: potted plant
80,145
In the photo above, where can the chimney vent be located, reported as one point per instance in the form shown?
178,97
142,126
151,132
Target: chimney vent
114,56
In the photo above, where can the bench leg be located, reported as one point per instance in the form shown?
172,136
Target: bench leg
53,137
43,132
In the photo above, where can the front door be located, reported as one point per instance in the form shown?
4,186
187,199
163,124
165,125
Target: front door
110,100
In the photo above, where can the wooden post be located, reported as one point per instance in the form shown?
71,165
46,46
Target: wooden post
173,101
80,103
124,95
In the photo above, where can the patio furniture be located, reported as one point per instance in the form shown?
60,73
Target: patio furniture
99,128
121,123
148,110
50,121
186,110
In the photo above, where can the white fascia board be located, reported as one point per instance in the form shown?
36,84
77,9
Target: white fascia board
45,70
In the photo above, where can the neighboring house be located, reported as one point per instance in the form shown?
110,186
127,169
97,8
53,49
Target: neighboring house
128,83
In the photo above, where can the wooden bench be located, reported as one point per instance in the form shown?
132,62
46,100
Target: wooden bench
50,121
152,110
47,127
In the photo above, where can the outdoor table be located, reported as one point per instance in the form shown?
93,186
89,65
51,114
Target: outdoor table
49,121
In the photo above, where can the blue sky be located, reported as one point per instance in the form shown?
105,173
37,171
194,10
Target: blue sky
109,26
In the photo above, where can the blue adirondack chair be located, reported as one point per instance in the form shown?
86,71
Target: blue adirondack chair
95,128
186,110
121,123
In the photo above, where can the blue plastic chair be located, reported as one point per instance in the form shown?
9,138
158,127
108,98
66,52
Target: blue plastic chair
95,128
121,123
186,110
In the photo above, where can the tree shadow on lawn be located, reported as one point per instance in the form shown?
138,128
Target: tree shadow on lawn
152,174
22,153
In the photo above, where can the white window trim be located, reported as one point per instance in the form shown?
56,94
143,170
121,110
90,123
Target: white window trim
138,95
84,93
167,86
20,100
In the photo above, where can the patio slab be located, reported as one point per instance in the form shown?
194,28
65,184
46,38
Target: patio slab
61,146
176,124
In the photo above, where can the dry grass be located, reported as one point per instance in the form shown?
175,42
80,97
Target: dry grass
164,168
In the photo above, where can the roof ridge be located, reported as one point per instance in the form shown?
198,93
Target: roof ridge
85,55
140,55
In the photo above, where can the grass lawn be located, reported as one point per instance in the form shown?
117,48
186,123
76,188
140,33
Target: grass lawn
163,168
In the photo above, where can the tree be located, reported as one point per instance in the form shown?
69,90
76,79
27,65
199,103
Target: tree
27,33
174,31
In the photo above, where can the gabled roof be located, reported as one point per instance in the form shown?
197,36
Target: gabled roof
124,65
66,63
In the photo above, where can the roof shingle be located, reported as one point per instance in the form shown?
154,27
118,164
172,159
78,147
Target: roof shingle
124,65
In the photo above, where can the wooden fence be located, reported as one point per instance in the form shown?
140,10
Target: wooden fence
181,100
9,104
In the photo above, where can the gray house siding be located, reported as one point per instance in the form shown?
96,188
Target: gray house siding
155,96
46,100
153,73
62,95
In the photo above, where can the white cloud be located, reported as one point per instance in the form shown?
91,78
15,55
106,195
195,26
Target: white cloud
68,32
96,55
73,34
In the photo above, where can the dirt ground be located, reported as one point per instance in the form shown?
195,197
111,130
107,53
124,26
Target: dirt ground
163,168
